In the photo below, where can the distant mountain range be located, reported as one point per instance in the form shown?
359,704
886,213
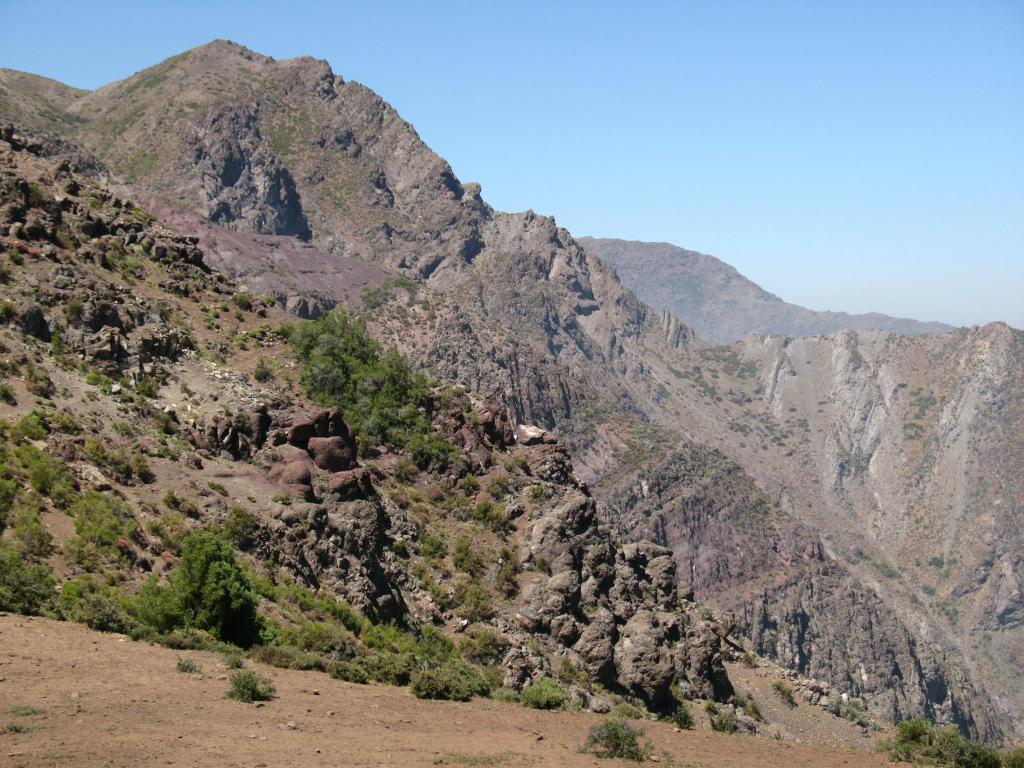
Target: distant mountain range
720,304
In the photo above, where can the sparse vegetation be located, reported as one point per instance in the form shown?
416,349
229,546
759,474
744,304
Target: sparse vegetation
918,741
785,693
544,693
617,738
383,399
722,720
249,686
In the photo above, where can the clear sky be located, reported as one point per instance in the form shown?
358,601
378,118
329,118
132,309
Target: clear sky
845,155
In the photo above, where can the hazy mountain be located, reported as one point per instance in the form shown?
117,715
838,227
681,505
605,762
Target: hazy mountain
719,303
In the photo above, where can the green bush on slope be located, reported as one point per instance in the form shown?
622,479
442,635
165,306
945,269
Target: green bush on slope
382,398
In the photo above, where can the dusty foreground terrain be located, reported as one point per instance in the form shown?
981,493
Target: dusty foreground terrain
82,698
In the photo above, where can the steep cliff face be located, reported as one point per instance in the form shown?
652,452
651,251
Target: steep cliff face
915,452
739,551
720,304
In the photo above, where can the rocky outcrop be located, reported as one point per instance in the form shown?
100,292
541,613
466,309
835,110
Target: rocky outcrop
242,181
814,617
613,607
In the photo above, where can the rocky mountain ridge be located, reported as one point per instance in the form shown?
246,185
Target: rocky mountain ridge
507,305
109,346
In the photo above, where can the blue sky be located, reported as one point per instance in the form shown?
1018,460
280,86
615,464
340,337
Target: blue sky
845,155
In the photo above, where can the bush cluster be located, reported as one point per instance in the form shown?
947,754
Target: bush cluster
919,741
383,399
208,591
544,693
618,738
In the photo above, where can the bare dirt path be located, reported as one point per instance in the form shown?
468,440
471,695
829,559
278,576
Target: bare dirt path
103,700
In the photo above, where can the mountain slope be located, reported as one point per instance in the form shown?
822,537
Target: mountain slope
719,303
507,305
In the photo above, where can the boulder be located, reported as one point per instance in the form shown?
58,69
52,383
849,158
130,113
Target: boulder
296,475
643,656
32,321
350,485
332,454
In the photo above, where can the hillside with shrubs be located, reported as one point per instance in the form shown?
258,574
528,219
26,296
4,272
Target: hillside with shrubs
187,465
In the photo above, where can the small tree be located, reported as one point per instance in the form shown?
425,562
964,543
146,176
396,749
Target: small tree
208,591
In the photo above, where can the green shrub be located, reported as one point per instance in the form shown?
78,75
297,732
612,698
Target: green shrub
474,599
848,710
1014,758
383,399
248,686
187,666
286,657
208,591
628,710
242,300
234,660
29,427
453,681
465,558
103,525
491,515
350,671
484,646
785,693
682,717
433,547
31,535
39,383
544,693
241,527
318,637
405,470
722,721
103,608
617,738
390,668
47,476
9,491
748,705
101,612
262,373
24,587
921,742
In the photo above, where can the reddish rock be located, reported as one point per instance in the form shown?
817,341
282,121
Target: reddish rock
332,454
350,485
300,433
296,475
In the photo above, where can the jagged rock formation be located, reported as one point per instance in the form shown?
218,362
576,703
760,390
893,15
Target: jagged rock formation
738,550
720,304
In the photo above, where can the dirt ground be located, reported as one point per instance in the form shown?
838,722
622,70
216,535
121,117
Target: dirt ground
80,698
